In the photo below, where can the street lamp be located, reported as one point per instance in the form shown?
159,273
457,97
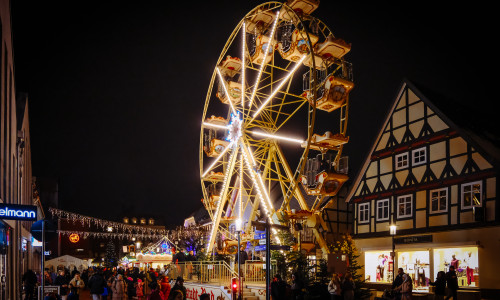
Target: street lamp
392,231
238,225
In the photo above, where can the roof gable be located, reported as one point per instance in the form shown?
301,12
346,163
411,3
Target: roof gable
411,118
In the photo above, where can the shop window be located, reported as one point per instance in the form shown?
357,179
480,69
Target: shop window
378,266
405,206
465,259
383,210
417,265
364,213
439,200
471,194
401,161
419,156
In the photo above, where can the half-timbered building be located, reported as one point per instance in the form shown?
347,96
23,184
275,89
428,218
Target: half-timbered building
434,178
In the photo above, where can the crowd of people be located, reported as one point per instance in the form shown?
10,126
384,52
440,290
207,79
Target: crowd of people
154,284
105,283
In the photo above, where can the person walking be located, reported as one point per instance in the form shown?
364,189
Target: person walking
296,287
179,285
63,284
156,293
118,287
165,287
97,284
139,289
278,288
440,285
131,287
29,281
334,288
76,284
176,295
348,287
406,287
452,283
397,282
180,261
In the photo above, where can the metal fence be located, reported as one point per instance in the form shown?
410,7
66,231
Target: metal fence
219,272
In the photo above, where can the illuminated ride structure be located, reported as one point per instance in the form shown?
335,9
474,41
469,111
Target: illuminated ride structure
279,73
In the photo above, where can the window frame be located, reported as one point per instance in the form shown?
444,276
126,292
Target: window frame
424,149
411,206
377,206
462,187
366,206
397,167
438,199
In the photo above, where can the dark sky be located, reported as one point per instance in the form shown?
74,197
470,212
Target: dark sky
116,90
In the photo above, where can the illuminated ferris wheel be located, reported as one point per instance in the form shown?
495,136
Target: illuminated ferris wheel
260,158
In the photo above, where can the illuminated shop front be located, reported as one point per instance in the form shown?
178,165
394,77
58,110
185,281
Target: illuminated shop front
378,266
423,265
464,259
417,265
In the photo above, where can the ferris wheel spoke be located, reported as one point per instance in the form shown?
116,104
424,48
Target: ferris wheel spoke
259,184
222,198
263,64
278,88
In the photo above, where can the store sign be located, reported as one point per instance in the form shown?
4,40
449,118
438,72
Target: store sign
48,289
18,212
413,239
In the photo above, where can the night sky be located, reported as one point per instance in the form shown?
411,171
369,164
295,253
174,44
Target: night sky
116,90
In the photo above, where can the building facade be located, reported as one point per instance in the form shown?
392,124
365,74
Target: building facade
436,181
17,252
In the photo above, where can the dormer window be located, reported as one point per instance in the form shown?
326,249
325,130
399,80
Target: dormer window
143,221
134,220
151,221
125,220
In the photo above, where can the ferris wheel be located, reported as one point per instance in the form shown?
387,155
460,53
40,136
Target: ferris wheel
260,157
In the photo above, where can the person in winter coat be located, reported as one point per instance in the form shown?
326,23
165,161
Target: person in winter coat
131,287
406,287
76,284
334,287
63,284
139,289
96,284
348,287
176,295
165,287
278,288
179,285
452,282
156,293
440,285
29,280
118,287
296,287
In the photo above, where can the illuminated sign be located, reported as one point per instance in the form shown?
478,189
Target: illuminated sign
17,212
74,238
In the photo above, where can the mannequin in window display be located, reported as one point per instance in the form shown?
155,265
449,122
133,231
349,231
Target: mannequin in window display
380,267
468,263
454,262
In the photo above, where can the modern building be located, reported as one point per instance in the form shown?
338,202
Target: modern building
431,175
17,252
